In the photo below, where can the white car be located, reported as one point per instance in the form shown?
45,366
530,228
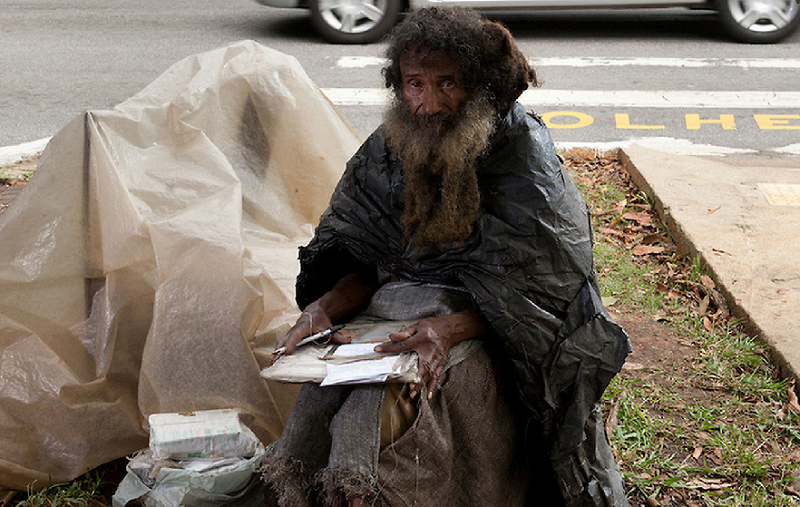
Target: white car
364,21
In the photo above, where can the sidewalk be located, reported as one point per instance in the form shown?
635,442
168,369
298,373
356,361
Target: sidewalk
741,215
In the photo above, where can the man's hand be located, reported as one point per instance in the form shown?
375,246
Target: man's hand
349,294
432,339
312,320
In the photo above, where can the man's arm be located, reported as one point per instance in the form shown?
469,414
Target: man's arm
432,339
349,295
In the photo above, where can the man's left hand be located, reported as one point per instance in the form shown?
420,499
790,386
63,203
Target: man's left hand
431,339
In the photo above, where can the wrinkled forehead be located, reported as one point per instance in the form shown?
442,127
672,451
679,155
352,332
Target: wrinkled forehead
421,57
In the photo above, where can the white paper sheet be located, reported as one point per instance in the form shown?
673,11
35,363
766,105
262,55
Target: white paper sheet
360,372
354,352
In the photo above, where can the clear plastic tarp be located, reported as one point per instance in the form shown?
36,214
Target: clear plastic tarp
150,263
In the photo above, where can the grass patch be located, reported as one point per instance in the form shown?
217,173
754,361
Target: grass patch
82,492
706,421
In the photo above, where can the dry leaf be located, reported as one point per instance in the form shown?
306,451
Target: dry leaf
613,415
631,366
618,208
610,232
639,217
639,250
708,484
708,282
703,308
662,288
713,210
698,451
707,324
793,404
651,502
652,238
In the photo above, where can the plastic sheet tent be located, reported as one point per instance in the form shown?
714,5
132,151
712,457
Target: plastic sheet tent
151,260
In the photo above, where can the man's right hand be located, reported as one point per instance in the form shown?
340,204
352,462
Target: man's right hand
349,295
312,320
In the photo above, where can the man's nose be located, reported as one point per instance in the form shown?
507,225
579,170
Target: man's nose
431,103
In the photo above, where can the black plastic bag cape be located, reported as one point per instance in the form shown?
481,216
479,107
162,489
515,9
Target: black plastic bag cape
528,266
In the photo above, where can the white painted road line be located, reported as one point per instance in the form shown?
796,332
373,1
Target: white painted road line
662,98
360,62
605,98
743,63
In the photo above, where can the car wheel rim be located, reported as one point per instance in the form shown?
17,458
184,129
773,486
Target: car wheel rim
352,16
763,16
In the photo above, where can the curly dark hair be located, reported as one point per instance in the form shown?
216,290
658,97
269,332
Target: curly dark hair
486,52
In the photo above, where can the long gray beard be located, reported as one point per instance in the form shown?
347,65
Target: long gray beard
440,194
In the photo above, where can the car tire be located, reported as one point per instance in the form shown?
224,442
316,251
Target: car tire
354,21
759,21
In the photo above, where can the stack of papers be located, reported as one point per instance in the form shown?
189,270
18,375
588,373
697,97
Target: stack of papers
360,372
201,434
353,363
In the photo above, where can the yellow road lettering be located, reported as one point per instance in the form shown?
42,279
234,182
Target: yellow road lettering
581,120
693,121
777,121
623,121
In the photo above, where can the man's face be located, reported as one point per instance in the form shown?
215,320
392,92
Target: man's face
432,88
439,130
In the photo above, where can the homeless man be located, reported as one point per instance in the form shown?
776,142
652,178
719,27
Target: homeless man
457,214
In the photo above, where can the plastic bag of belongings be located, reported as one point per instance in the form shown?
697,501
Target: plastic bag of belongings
149,264
196,459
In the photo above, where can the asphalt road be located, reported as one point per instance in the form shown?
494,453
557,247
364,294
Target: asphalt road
668,77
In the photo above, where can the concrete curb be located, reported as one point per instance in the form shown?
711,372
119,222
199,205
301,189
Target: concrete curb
680,199
10,155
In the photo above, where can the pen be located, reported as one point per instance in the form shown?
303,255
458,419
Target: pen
316,336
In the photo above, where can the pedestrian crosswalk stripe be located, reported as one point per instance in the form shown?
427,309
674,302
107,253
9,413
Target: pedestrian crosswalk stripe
351,62
606,98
